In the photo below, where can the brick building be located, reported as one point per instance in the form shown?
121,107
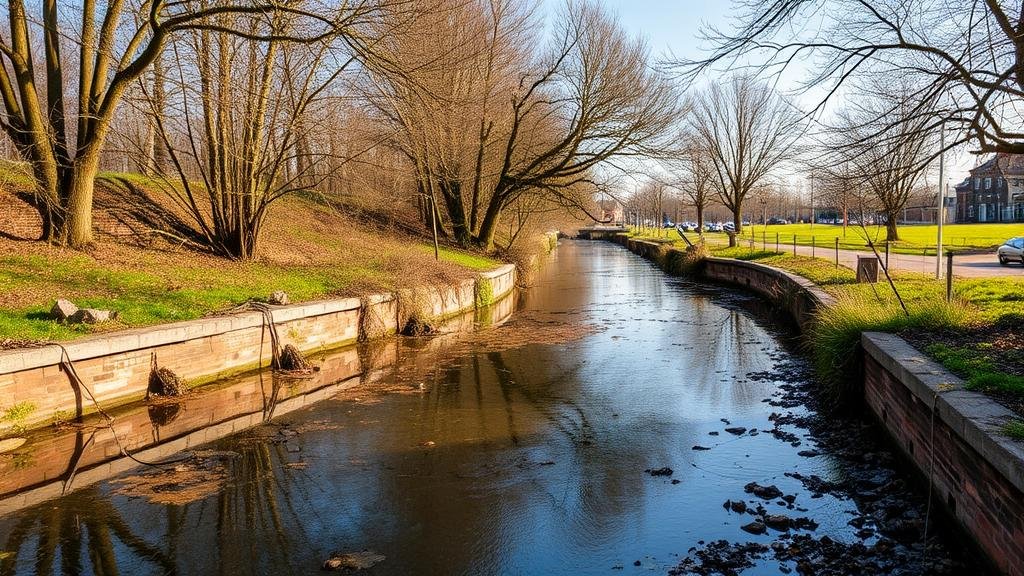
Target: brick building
994,192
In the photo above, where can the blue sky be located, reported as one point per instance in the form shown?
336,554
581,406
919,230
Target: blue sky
673,27
670,26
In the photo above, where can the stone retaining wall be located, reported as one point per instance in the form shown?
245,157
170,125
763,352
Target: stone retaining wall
115,367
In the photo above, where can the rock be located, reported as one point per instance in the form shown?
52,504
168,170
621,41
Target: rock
764,492
777,521
8,444
754,528
63,310
808,453
637,563
738,506
699,447
665,471
428,444
353,560
676,481
92,316
737,430
278,298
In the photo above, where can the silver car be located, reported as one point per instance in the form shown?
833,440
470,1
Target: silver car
1011,251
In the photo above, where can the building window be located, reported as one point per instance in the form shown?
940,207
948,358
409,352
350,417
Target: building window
977,183
988,183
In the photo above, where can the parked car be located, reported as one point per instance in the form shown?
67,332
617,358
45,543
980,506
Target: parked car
729,227
1011,251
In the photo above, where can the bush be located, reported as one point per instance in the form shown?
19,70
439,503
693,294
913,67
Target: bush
685,262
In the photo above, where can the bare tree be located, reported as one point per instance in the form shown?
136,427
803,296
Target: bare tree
748,131
592,99
243,105
696,179
890,163
966,58
114,43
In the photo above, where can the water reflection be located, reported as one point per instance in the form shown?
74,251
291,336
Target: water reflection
523,456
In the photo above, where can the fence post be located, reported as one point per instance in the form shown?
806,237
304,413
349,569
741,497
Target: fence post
837,252
776,241
794,244
814,246
949,276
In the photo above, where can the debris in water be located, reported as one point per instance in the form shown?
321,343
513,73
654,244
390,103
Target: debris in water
163,381
664,471
191,480
352,560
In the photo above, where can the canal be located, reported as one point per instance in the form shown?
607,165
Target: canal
618,422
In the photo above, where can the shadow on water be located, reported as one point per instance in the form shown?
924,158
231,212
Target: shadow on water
515,449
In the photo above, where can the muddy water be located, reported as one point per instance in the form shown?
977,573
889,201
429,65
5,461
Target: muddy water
521,449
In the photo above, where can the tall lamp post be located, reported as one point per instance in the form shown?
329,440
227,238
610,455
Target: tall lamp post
942,201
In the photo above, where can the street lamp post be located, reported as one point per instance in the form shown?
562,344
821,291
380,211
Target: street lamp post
942,201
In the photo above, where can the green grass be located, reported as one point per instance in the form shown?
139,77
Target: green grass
1014,429
143,298
462,258
914,239
835,337
977,369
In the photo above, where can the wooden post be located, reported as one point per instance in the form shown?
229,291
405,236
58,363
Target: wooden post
949,276
794,244
837,252
433,226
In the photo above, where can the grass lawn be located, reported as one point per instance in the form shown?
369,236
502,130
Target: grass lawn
461,257
914,239
307,250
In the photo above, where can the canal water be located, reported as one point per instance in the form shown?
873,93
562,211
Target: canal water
521,448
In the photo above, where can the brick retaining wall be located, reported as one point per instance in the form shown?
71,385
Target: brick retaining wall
953,436
115,367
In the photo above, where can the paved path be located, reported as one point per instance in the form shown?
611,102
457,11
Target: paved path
967,266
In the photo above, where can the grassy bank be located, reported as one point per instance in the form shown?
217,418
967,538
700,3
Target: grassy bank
308,250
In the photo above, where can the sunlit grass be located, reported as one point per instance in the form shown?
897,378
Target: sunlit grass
914,238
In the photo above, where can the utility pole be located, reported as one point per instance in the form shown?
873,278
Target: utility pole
942,201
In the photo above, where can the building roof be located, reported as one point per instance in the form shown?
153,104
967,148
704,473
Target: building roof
1003,164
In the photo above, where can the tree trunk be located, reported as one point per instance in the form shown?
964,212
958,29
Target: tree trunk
451,190
891,234
700,220
77,231
489,225
737,222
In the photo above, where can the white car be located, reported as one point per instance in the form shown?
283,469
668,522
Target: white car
1011,251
